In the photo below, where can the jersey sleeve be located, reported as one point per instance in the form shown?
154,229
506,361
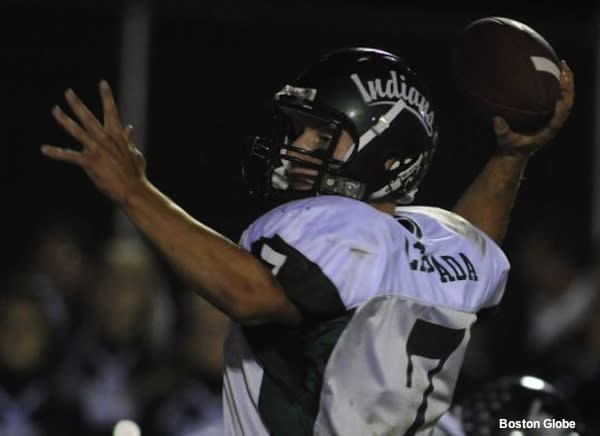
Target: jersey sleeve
497,270
324,254
498,277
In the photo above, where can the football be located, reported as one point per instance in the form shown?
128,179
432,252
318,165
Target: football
506,68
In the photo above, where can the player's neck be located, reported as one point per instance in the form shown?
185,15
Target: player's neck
385,206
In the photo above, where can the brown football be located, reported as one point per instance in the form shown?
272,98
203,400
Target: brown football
506,68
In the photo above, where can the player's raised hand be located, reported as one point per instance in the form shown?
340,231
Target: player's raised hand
513,142
107,156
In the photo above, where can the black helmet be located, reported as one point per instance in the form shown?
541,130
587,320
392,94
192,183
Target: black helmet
375,97
518,406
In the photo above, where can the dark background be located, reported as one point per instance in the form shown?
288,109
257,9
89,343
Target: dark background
212,71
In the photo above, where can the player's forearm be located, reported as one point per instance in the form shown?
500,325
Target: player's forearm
488,201
224,274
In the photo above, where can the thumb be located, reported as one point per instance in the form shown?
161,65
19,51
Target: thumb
128,133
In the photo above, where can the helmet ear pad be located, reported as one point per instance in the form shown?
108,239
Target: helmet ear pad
401,154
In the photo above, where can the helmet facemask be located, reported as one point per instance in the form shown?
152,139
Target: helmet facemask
311,148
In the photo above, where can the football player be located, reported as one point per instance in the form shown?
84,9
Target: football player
351,311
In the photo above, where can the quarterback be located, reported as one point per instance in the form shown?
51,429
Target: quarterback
351,310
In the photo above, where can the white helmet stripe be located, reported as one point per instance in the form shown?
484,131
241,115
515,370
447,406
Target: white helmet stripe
382,124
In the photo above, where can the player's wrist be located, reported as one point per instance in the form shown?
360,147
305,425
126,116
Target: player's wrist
514,153
135,192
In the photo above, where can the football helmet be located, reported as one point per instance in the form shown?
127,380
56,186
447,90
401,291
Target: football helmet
371,95
518,398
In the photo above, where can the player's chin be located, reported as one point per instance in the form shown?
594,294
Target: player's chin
302,184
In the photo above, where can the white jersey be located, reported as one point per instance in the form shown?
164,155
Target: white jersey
388,302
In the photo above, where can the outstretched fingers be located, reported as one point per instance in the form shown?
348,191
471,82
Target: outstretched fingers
85,128
74,129
89,122
112,120
108,157
63,154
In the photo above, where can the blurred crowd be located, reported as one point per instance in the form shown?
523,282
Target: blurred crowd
548,324
92,337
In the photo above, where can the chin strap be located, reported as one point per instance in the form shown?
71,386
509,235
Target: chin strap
337,185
